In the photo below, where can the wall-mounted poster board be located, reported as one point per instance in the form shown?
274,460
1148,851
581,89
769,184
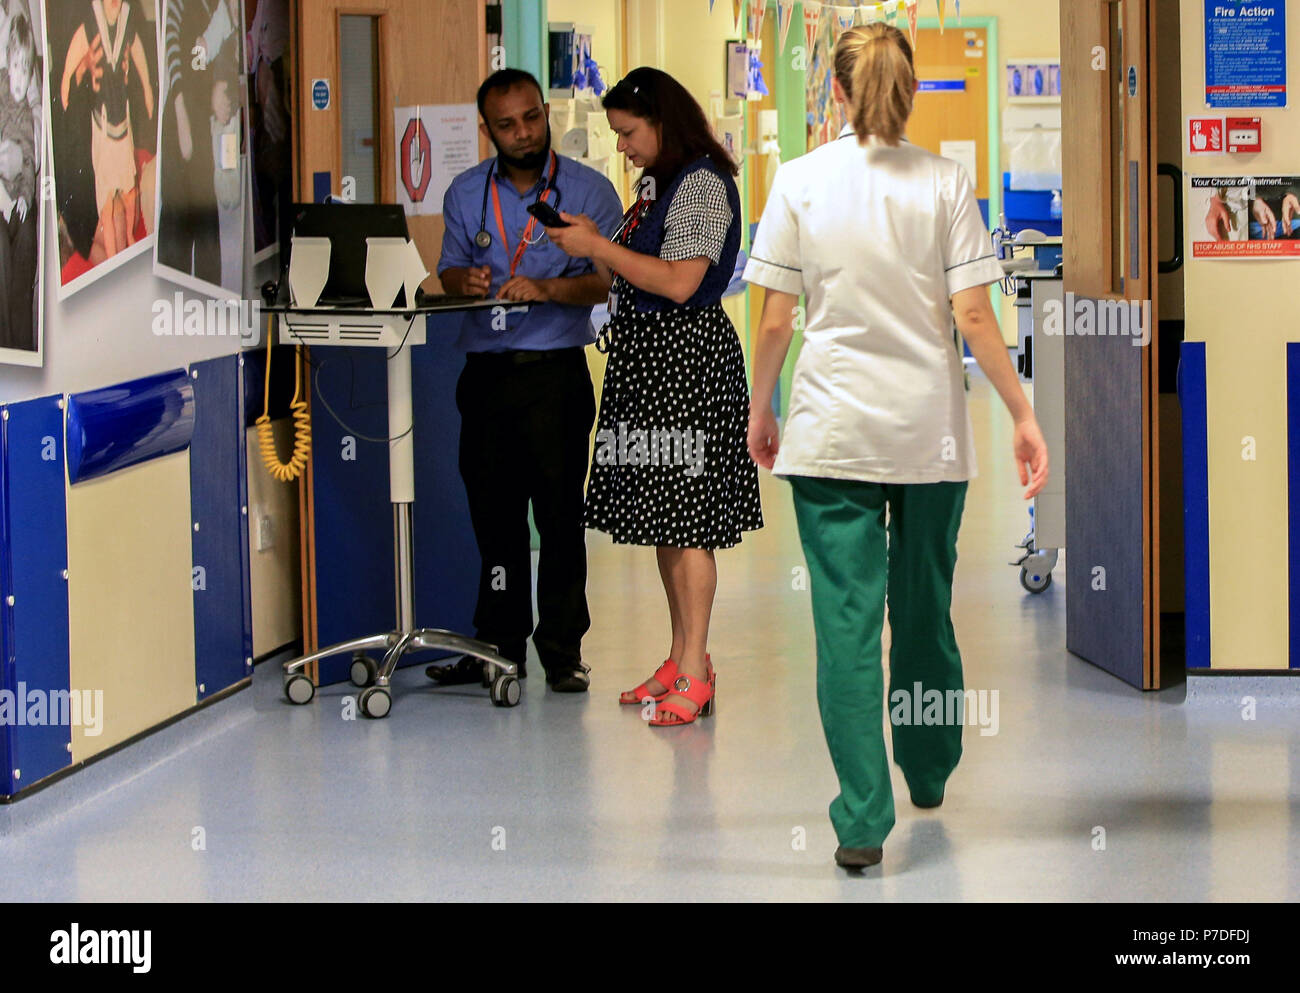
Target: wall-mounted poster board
270,121
1245,217
202,186
22,178
1245,53
102,85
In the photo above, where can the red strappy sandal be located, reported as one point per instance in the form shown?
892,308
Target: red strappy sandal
666,673
700,692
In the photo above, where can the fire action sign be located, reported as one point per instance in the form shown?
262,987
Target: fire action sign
1245,53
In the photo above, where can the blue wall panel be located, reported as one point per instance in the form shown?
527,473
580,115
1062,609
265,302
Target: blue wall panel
353,518
223,630
36,626
123,425
1293,499
354,521
1196,502
446,554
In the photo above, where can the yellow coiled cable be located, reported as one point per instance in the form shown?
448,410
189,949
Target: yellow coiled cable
297,464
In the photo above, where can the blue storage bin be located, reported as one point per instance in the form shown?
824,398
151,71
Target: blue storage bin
1029,209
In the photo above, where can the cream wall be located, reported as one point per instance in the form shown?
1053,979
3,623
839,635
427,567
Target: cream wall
694,51
1026,29
1245,315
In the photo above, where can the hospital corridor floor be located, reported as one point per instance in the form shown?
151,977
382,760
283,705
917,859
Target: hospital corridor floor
1089,790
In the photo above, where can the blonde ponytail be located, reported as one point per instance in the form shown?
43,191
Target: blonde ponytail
874,66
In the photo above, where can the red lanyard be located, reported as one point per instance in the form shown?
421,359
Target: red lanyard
631,221
532,221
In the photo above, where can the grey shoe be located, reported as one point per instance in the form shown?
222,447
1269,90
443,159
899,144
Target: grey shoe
858,858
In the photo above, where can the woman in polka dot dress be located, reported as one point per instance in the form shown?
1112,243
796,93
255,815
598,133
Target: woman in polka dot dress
671,467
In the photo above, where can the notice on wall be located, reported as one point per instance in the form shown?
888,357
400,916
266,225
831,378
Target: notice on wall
1245,217
435,144
964,152
1245,53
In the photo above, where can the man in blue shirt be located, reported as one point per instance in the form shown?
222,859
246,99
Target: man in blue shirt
525,398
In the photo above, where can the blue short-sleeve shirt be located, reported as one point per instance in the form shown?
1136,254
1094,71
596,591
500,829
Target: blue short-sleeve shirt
582,190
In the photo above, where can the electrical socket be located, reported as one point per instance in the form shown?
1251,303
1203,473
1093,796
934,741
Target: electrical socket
265,532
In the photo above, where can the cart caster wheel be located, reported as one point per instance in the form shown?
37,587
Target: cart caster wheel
375,702
1035,582
364,670
299,689
505,691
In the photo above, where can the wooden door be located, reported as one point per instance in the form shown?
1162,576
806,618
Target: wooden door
1111,430
953,103
425,54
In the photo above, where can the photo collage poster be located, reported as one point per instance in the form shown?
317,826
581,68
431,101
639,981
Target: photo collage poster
22,181
270,123
202,184
102,100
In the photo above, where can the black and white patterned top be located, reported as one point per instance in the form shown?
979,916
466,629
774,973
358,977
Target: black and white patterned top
696,226
698,219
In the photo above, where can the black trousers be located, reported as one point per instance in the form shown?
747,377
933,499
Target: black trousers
525,436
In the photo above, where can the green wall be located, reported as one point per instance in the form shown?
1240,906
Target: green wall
526,38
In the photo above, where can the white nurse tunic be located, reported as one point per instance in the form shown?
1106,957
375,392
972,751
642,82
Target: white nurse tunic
878,239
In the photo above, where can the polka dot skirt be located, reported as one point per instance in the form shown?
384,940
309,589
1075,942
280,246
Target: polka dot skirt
671,467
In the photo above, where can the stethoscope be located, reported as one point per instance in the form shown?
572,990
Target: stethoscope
484,237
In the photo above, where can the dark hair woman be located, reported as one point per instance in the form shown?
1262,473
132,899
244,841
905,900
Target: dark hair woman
671,467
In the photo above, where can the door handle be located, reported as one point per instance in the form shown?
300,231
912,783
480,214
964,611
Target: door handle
1174,263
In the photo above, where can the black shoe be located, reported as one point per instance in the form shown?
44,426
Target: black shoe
571,679
858,858
467,669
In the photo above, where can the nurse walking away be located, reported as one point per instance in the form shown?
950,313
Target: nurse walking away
525,397
883,238
675,384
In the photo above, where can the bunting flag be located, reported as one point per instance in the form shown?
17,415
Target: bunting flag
812,22
912,5
957,4
941,5
845,18
874,13
736,7
784,16
757,14
710,6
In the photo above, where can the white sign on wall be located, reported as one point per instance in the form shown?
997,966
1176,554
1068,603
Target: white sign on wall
435,144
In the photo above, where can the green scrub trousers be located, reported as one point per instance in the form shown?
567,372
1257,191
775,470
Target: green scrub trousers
853,570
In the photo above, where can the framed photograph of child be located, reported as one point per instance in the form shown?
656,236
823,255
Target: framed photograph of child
202,178
22,179
102,101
